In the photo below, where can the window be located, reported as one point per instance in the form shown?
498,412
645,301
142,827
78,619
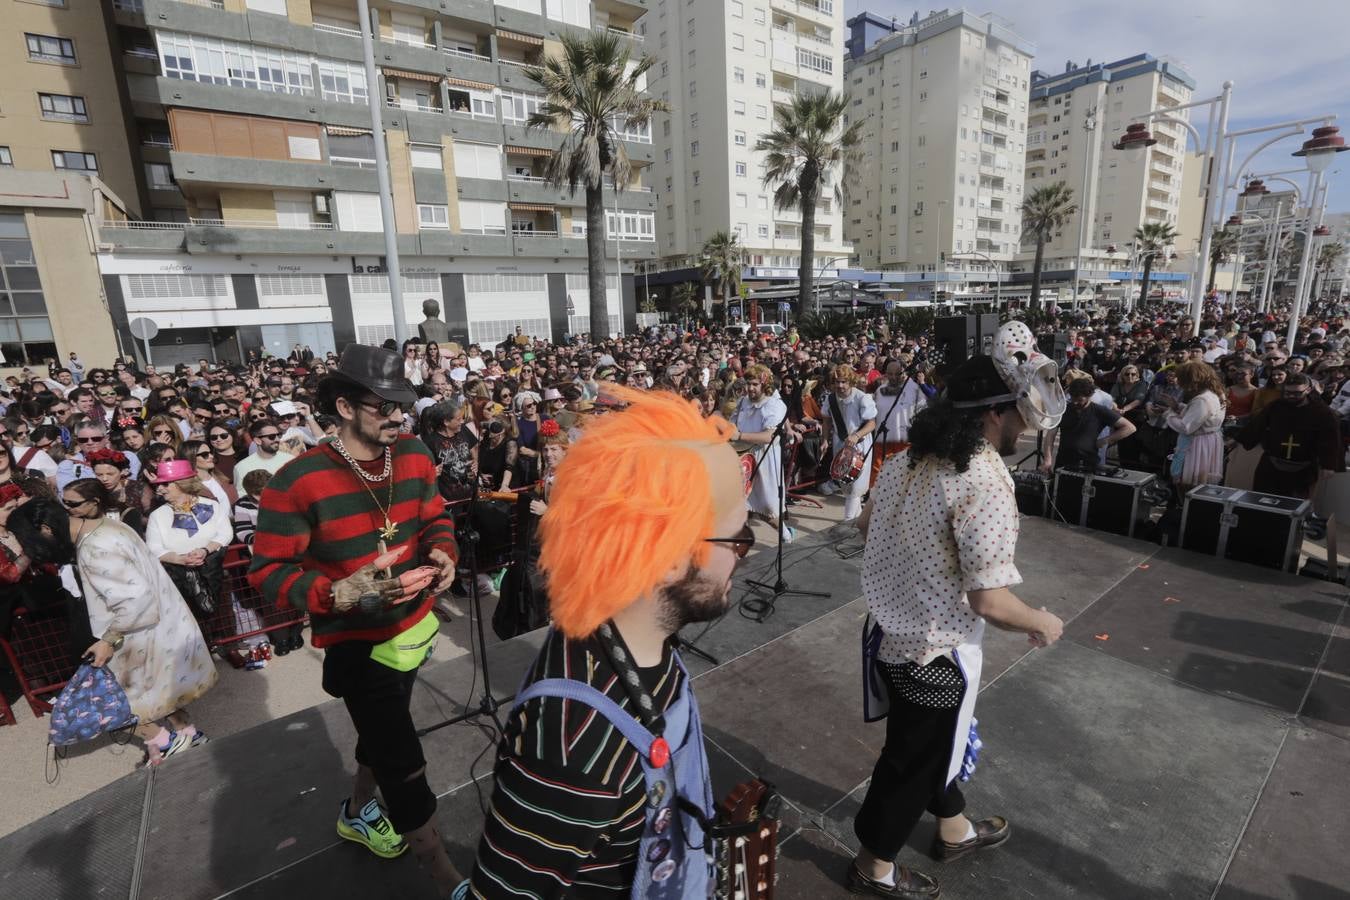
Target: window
63,108
45,48
25,332
761,111
761,202
819,62
212,61
357,211
760,80
691,56
738,138
697,177
518,106
74,161
737,41
761,49
693,148
433,215
762,230
738,107
427,156
159,176
738,75
691,27
742,201
759,15
478,161
693,120
351,150
482,217
693,89
740,170
6,158
275,7
737,9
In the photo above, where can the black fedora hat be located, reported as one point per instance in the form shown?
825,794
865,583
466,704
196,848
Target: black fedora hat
377,370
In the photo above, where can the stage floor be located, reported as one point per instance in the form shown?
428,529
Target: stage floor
1186,739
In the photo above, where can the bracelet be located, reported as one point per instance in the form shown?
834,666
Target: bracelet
114,639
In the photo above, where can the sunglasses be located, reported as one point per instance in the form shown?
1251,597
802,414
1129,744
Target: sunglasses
72,504
221,436
383,407
270,435
157,432
741,544
205,454
257,416
92,440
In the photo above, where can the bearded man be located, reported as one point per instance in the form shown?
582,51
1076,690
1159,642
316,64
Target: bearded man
603,751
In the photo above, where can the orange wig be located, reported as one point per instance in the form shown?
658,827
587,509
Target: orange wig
631,500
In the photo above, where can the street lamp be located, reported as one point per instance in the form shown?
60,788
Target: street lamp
998,276
1136,139
1084,207
1320,149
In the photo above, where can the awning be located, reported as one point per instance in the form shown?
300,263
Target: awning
471,85
346,131
532,207
528,151
414,76
522,38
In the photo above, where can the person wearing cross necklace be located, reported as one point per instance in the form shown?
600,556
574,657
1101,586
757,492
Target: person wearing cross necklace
355,532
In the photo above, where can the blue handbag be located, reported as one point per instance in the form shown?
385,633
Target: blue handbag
91,703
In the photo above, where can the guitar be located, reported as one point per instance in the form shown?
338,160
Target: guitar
747,842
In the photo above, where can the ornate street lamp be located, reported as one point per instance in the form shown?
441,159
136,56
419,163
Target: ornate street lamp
1319,150
1135,140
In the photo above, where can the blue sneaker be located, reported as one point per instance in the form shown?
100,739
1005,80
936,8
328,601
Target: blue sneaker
371,829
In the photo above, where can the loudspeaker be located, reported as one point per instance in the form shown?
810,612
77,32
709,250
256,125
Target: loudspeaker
1053,345
960,337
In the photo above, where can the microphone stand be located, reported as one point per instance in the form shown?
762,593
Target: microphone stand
779,588
487,704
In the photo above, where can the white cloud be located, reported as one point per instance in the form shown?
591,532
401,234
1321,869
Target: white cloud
1287,60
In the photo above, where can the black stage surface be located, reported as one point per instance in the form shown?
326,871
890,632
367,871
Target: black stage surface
1189,738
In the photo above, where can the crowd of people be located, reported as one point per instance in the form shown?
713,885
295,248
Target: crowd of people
124,489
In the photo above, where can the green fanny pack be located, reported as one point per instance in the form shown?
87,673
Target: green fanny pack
409,649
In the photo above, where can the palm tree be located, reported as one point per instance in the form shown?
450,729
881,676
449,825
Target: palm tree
723,257
590,91
1045,211
1327,257
1222,247
808,143
1151,240
684,300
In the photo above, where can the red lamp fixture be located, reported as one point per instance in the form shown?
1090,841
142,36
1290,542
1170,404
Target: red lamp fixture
1319,150
1255,188
1136,139
1322,231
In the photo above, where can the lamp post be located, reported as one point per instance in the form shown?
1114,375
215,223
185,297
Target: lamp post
819,273
373,95
1089,126
998,276
1218,146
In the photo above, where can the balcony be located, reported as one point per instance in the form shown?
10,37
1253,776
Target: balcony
459,53
1166,187
412,105
351,31
210,4
782,95
623,33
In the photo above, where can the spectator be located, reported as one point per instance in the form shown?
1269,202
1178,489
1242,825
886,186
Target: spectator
266,450
164,429
1080,431
246,510
226,444
204,462
188,534
1127,398
160,659
1300,438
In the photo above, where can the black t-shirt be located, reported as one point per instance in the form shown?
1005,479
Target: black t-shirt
1078,432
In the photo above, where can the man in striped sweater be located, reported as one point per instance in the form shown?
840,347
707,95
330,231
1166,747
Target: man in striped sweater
343,532
644,526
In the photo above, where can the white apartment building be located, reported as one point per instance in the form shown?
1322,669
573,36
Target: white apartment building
722,66
944,105
1074,118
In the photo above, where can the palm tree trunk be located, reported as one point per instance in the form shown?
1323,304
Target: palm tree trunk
806,270
595,264
1143,286
1035,302
1213,275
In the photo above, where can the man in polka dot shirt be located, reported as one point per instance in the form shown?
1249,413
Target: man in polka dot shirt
941,531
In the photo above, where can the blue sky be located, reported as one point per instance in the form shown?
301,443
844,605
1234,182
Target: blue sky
1287,60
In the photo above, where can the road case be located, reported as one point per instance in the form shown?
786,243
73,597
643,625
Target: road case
1104,499
1261,529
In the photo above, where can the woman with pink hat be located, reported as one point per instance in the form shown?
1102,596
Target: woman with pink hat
189,533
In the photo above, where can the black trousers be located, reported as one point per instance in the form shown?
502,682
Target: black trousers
378,700
909,778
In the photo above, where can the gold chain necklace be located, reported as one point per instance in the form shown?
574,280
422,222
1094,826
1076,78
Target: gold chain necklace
390,530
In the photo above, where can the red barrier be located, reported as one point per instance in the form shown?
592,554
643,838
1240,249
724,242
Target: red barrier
225,625
38,650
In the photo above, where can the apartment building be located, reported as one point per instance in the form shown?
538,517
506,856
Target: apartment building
265,226
723,67
943,100
1074,118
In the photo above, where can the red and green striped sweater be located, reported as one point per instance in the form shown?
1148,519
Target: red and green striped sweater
317,524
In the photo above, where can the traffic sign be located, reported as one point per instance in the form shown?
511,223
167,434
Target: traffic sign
143,328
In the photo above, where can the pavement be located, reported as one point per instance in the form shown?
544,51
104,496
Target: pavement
1183,740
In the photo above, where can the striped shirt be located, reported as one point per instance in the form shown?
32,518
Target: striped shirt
569,804
318,523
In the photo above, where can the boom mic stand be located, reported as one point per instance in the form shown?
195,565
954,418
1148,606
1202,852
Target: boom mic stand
487,704
764,608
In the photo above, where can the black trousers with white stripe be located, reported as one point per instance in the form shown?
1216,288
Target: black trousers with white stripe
909,777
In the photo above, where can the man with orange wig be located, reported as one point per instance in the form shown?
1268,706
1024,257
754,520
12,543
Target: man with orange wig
603,753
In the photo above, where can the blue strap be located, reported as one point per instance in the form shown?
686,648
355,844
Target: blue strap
567,689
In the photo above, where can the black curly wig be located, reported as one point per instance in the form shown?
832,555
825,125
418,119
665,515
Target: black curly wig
51,546
955,433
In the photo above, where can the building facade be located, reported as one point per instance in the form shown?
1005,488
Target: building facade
723,66
265,227
944,106
1074,118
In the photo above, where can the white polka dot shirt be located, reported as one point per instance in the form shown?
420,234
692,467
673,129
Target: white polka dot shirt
934,535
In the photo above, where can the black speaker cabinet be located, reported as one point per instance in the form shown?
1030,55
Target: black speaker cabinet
956,337
1262,529
1101,501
